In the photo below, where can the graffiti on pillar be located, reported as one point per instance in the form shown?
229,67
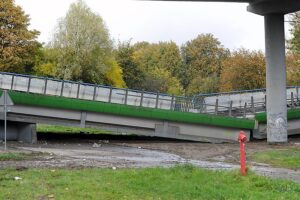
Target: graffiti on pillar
277,128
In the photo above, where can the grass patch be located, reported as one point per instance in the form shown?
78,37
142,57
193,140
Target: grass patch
12,156
287,158
42,128
182,182
16,156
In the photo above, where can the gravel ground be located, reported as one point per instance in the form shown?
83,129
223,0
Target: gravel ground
142,152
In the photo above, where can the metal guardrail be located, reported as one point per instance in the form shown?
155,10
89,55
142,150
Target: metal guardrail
93,92
243,103
235,104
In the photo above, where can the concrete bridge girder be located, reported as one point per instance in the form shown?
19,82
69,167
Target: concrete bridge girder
27,115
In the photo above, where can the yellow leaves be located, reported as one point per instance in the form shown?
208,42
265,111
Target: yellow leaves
46,69
114,75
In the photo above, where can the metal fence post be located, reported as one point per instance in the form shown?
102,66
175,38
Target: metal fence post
216,106
142,98
157,98
12,82
29,82
94,94
230,109
126,96
62,88
245,110
172,102
292,99
78,90
297,93
110,94
252,104
46,83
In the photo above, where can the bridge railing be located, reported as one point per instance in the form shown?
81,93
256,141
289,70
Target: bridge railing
243,103
93,92
235,104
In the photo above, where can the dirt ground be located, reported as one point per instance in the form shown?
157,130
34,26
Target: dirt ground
128,152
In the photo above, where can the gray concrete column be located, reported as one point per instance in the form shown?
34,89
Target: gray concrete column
276,79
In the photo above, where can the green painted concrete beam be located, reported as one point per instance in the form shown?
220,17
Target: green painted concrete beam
291,114
23,98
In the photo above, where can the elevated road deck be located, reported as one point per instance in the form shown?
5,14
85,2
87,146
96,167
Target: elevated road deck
125,111
50,101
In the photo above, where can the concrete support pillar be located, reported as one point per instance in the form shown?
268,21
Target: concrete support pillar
276,79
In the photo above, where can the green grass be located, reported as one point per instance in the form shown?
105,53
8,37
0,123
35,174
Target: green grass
12,156
17,156
41,128
184,183
287,158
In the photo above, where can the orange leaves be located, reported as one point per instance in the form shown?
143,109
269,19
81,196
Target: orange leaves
243,70
18,45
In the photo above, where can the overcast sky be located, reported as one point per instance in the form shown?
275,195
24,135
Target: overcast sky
159,21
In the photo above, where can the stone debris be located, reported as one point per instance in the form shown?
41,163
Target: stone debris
17,178
95,145
104,141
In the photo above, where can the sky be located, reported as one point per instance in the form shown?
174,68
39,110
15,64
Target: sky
154,21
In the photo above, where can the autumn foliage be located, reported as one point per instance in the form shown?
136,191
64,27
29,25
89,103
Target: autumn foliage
18,44
82,50
243,70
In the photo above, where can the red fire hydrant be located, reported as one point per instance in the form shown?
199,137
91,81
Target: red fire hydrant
242,139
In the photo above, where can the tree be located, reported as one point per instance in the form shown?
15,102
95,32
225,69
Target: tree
164,55
200,84
133,75
243,70
293,56
114,75
295,31
45,62
203,57
161,80
85,49
160,64
293,69
18,44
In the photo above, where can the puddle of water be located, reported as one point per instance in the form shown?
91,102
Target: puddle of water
133,157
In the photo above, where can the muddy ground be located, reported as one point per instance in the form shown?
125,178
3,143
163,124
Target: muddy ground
67,151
